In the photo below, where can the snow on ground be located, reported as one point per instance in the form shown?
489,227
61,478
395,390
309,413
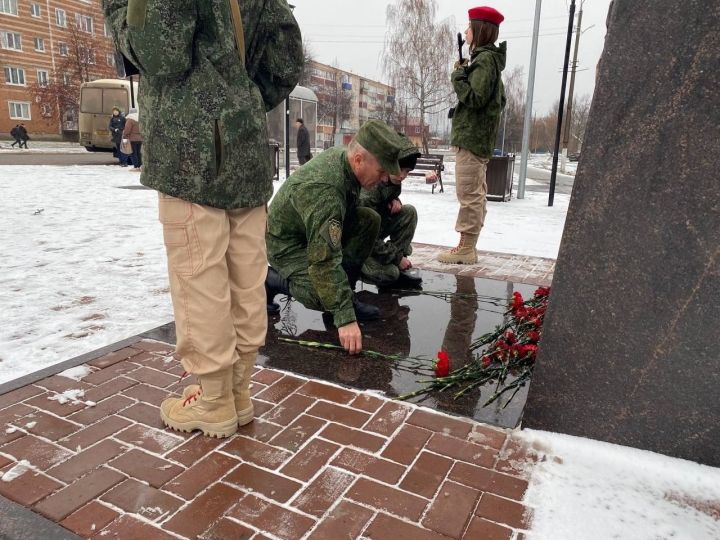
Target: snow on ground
44,147
591,490
84,263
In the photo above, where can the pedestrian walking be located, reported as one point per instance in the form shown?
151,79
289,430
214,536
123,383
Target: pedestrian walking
131,133
303,142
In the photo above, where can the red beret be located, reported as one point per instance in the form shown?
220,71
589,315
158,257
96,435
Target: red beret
485,13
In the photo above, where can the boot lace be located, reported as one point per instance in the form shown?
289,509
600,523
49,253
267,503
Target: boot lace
192,397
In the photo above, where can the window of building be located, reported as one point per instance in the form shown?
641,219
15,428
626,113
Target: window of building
42,77
39,44
63,49
11,40
14,75
35,10
60,19
46,110
86,55
106,29
19,110
66,79
110,59
9,7
84,23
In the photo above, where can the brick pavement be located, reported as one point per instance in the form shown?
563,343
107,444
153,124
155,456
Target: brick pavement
319,461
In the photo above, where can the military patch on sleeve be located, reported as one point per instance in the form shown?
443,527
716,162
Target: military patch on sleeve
332,232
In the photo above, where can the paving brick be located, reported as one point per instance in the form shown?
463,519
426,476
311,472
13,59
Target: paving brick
452,509
201,475
426,474
158,347
145,414
289,409
127,527
54,406
48,426
489,481
339,414
4,461
195,449
406,445
153,440
390,417
158,361
204,511
327,392
41,454
10,415
516,458
482,528
138,498
487,436
347,520
118,385
90,519
28,488
86,461
367,403
308,461
387,498
281,389
257,452
148,394
227,528
322,493
271,518
462,450
94,433
143,466
153,377
440,423
103,409
111,372
64,502
114,357
269,484
262,407
59,384
297,433
259,430
389,528
266,376
365,464
503,511
353,437
19,395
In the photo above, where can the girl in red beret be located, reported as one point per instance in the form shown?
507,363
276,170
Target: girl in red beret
481,99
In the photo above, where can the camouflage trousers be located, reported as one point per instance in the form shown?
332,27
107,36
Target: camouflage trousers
381,268
359,233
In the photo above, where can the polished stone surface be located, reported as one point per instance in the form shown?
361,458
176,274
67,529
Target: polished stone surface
411,325
630,349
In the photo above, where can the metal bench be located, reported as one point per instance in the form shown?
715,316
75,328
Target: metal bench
430,163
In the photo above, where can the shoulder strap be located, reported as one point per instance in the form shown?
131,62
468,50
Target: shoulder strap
239,31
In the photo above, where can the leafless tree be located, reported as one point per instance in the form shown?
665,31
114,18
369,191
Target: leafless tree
308,59
581,111
334,104
417,57
514,112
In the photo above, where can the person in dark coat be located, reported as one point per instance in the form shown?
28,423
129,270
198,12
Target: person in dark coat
117,124
303,142
15,134
23,134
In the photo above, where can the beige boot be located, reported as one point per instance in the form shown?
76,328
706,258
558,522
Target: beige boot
242,373
464,253
210,409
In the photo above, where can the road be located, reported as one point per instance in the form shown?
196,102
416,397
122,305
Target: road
19,157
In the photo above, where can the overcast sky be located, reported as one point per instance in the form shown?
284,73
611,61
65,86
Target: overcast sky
351,33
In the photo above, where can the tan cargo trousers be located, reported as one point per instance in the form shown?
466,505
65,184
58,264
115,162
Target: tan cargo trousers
217,263
471,189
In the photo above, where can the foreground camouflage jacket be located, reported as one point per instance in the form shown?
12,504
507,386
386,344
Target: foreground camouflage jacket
481,99
202,113
305,224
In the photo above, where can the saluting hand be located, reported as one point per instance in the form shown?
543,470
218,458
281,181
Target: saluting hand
351,337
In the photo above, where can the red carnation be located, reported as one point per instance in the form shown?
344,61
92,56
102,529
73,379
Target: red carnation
486,360
533,335
542,291
442,365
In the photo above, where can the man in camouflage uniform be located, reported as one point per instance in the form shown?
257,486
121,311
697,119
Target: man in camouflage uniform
210,69
317,236
388,264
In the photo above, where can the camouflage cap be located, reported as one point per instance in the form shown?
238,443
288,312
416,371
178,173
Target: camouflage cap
408,149
382,142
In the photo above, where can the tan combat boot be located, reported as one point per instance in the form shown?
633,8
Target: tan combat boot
464,253
210,409
242,373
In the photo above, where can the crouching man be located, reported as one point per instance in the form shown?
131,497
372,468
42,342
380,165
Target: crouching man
318,238
208,74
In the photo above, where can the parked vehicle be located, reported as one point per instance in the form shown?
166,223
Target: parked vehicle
97,99
575,156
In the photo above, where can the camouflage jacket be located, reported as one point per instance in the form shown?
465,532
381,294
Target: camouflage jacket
202,113
481,99
305,224
379,198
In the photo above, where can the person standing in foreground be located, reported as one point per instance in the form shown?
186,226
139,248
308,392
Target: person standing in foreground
209,72
318,238
303,142
116,127
481,98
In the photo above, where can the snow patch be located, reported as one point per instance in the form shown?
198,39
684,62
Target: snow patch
68,396
20,468
76,373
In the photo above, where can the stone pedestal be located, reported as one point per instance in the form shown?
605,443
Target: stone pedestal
631,348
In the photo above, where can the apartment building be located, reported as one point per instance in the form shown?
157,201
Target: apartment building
37,38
